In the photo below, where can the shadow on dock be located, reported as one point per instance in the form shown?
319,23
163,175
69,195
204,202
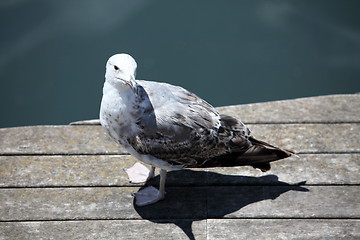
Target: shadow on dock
183,204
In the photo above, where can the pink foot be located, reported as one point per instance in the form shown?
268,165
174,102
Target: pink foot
148,196
139,173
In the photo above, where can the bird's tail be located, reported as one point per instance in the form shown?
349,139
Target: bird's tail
259,155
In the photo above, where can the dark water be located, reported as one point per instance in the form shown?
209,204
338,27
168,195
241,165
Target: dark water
53,53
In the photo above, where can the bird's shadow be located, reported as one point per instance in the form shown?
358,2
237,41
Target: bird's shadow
186,201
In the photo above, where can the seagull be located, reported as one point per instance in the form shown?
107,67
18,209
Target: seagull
170,128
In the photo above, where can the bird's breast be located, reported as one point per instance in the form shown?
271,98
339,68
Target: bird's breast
117,115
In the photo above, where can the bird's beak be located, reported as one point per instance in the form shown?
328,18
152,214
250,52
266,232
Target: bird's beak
132,84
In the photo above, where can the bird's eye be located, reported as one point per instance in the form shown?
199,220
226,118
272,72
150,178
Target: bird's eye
116,67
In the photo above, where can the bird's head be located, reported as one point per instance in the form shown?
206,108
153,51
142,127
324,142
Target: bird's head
121,69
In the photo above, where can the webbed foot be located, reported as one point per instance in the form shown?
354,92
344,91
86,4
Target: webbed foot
148,196
139,173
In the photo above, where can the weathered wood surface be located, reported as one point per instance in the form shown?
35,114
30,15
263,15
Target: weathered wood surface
45,140
67,182
322,109
182,203
79,171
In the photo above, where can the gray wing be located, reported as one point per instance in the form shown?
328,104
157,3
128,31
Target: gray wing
176,104
181,128
175,124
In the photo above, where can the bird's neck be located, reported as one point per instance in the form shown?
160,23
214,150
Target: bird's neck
119,93
117,114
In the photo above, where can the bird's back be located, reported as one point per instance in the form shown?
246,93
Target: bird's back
181,128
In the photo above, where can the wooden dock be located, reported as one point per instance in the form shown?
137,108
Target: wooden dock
67,182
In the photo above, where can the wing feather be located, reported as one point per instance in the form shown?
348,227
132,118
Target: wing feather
176,109
175,124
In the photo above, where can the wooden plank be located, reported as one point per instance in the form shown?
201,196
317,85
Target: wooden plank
305,138
95,203
60,170
93,230
284,202
283,229
311,138
181,203
328,169
104,170
57,140
216,229
325,109
320,109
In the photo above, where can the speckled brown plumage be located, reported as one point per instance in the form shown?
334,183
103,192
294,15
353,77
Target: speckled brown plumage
167,123
171,128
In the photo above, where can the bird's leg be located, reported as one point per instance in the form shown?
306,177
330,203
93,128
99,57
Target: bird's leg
151,173
139,173
162,182
150,194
